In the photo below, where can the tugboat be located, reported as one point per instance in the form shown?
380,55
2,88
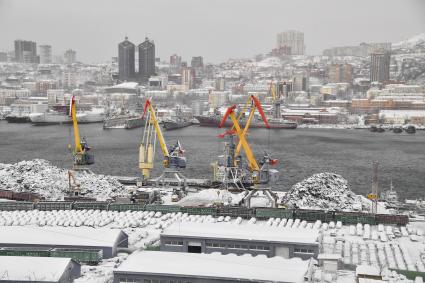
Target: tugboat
397,130
376,129
181,119
410,129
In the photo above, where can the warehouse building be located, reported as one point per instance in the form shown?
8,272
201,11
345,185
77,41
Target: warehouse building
106,240
240,239
38,269
151,266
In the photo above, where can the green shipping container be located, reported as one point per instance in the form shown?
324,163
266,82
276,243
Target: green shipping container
49,206
126,207
24,252
263,213
162,208
18,205
199,210
95,205
89,256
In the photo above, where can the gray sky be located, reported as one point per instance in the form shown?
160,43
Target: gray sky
215,29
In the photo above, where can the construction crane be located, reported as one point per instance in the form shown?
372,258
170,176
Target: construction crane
173,157
81,151
259,174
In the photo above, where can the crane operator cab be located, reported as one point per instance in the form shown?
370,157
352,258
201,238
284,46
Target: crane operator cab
176,157
81,152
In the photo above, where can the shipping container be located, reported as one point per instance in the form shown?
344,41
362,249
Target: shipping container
355,217
199,210
6,194
95,205
16,205
313,215
236,211
126,206
264,213
391,219
19,251
53,205
88,256
162,208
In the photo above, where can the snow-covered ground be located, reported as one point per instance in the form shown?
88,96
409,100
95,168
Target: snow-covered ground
376,245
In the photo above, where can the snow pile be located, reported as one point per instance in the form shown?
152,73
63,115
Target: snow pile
209,197
322,191
51,182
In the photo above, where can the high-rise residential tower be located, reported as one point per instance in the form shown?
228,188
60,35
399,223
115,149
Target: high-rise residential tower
70,56
26,51
380,65
126,62
293,39
45,54
146,59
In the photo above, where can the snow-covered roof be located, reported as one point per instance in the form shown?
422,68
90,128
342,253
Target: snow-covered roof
242,232
59,236
367,270
131,85
329,256
216,265
22,268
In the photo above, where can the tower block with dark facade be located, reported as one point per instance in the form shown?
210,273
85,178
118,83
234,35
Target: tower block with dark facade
126,53
146,60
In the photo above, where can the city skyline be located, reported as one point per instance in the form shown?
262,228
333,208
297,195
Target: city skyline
243,36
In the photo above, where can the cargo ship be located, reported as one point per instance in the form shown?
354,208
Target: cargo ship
275,123
124,122
96,115
173,124
182,118
17,118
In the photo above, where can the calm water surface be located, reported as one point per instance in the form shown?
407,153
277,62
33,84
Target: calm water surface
301,152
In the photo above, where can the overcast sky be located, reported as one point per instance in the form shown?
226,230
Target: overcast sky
215,29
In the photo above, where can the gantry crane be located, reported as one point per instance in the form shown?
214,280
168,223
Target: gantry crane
81,151
173,157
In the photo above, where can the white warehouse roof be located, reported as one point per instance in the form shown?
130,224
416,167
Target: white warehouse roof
216,265
242,232
23,268
59,236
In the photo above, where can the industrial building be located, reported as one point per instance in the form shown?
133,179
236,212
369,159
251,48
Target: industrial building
107,240
38,269
151,266
189,237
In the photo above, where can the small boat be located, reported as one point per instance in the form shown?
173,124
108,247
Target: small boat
410,129
397,130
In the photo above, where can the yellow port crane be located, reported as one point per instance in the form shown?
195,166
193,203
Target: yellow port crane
81,153
255,168
172,158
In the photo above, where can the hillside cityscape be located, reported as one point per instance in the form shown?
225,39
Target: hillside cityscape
212,141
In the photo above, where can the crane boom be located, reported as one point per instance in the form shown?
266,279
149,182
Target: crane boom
73,113
154,121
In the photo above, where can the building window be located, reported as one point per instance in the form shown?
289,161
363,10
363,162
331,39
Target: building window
215,245
208,244
237,246
174,243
